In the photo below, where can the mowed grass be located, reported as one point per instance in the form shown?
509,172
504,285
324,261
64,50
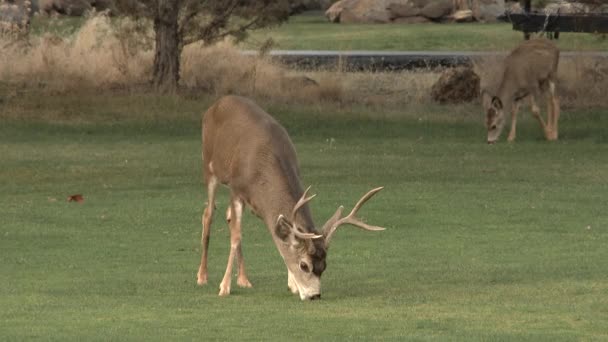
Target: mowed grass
502,242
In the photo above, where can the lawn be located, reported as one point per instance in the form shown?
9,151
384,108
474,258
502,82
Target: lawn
312,31
484,242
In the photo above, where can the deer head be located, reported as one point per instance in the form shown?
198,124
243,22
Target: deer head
495,118
304,253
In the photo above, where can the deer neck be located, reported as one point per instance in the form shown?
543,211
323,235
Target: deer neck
303,217
279,198
506,94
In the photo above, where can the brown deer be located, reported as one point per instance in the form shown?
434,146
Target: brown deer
247,150
530,71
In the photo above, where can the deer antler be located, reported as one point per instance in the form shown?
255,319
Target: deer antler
303,200
335,221
294,228
305,236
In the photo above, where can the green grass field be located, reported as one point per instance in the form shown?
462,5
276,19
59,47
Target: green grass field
312,31
484,242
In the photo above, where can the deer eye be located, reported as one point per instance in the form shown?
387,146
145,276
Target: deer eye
493,127
304,267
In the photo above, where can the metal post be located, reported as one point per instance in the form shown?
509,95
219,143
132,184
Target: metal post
527,10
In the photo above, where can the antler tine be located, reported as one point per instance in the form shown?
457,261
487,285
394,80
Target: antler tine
330,228
335,217
303,200
282,220
364,199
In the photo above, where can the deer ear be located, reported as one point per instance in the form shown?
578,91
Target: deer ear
496,103
282,228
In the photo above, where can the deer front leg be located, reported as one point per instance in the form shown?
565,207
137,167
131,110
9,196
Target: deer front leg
236,213
207,219
512,132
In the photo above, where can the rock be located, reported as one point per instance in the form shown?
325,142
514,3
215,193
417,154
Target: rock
489,10
75,7
334,11
463,16
456,85
361,11
412,20
567,7
365,11
298,6
437,9
104,5
402,10
14,17
382,11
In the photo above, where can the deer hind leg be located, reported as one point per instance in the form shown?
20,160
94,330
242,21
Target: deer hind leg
553,111
236,213
207,219
536,113
242,279
514,111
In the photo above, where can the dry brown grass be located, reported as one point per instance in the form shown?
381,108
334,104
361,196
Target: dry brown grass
106,55
94,58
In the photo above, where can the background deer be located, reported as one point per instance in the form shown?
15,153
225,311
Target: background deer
247,150
530,71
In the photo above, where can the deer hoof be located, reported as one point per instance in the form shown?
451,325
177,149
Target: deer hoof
201,280
244,283
224,291
553,135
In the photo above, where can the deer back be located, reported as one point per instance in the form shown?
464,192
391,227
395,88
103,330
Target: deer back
531,62
250,152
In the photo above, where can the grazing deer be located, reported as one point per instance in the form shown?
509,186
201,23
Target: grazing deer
245,149
530,71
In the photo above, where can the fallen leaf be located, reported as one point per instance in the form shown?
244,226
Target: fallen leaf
76,198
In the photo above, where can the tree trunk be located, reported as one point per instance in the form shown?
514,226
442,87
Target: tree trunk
168,46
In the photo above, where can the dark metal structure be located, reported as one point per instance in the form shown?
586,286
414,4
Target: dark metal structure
392,60
553,23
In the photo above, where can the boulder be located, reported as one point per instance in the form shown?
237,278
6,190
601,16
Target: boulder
489,10
103,5
361,11
68,7
384,11
412,20
365,11
456,85
463,16
334,11
402,10
75,7
298,6
564,7
14,16
437,9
